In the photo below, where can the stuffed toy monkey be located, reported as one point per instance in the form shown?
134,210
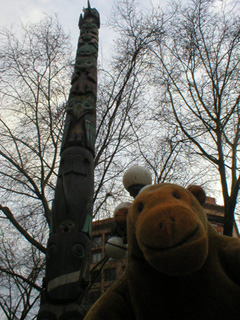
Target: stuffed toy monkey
178,266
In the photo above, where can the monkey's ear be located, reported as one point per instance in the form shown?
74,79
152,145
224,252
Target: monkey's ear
198,192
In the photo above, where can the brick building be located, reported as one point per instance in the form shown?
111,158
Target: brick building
105,274
112,269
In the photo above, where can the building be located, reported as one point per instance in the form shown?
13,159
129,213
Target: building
104,273
215,214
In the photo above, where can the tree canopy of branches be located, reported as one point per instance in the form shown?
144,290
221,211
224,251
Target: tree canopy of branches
193,49
199,59
33,88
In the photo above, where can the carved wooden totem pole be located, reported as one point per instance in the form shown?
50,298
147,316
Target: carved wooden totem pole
69,244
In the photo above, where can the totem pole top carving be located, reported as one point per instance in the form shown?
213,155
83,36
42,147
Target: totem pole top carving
81,106
90,13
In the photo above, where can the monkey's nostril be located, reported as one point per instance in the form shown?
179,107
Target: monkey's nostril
160,225
173,220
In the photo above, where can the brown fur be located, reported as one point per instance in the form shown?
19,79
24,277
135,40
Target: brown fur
178,266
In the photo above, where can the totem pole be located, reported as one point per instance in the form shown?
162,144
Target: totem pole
69,244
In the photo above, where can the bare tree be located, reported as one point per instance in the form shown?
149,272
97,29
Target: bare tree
19,273
160,144
34,85
119,99
198,59
193,49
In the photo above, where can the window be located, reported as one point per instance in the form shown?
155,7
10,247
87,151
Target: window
107,287
96,256
110,274
97,241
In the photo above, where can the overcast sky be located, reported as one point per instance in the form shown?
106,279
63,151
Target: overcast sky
13,12
68,12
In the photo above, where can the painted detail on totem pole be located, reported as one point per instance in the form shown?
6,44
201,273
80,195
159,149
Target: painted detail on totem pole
69,244
81,107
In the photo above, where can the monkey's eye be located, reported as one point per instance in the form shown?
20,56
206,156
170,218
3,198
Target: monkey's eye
176,195
140,206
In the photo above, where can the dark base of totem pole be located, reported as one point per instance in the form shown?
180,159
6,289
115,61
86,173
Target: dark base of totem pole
61,312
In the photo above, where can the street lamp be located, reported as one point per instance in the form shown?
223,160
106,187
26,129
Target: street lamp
116,246
135,178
